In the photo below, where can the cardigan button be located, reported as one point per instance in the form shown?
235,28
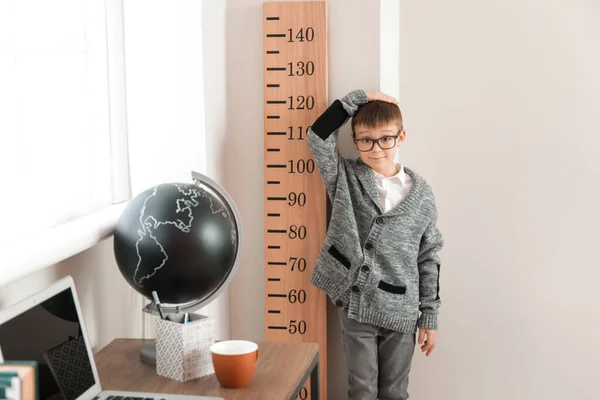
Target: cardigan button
380,221
365,268
368,246
355,289
339,303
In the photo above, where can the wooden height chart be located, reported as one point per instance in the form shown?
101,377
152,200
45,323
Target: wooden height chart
295,94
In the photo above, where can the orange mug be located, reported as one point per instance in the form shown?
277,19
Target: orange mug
234,362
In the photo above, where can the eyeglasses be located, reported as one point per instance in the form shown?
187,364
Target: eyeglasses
384,143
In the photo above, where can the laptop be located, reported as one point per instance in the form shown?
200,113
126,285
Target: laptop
48,328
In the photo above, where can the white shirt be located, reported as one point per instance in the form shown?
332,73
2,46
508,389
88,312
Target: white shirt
392,190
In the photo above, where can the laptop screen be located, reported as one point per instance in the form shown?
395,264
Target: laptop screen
50,334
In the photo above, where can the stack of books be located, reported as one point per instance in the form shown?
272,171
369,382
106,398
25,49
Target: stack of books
18,380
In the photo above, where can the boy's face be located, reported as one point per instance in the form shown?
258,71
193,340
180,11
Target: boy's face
380,160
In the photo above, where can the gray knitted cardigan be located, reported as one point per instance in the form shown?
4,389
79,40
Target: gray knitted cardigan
383,268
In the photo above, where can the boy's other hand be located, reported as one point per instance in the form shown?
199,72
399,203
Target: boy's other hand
429,344
375,95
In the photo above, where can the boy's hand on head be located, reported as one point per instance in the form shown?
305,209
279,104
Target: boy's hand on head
375,95
429,344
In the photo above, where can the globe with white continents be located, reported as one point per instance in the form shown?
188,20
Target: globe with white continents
178,239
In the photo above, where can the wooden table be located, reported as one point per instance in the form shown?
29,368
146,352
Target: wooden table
280,373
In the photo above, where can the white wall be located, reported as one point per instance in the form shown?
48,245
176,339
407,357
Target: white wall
242,160
500,101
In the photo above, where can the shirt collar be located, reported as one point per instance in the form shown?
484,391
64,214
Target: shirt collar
401,175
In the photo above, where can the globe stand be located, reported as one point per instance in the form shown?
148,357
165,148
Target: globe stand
148,351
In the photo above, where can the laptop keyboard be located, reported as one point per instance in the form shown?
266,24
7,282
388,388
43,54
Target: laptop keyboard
130,398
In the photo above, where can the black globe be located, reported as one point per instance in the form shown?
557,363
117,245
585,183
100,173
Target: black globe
179,239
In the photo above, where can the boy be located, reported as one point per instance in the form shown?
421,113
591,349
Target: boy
379,264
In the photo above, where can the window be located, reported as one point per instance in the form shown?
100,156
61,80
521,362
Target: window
55,139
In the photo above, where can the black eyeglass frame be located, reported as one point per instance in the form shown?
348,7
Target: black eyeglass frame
373,141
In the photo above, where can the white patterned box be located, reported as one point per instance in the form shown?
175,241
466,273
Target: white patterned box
183,350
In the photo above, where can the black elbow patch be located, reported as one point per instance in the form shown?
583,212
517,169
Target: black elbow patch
330,120
437,297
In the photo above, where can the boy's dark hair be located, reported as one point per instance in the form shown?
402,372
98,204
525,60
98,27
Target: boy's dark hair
375,114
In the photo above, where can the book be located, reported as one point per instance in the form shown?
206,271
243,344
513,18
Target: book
6,377
26,372
10,385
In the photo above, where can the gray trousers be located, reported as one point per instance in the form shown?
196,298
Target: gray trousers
378,360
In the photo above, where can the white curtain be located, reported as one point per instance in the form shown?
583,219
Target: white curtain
55,155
